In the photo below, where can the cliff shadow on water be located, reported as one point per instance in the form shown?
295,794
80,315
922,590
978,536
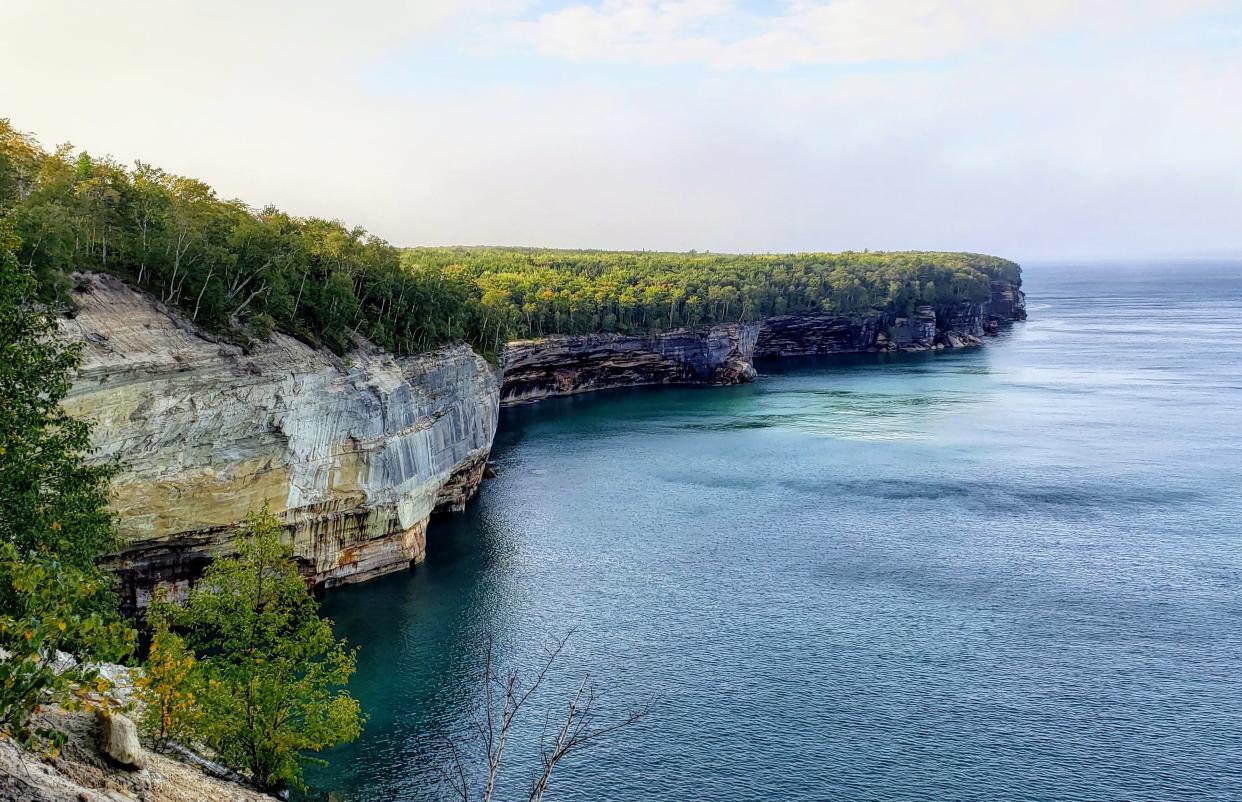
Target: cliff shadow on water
854,576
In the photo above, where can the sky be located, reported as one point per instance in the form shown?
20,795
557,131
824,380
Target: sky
1034,129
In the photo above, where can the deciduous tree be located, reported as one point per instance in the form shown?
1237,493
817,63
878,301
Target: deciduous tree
272,673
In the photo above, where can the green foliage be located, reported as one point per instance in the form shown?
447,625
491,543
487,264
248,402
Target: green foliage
53,610
245,272
272,672
533,292
54,523
226,267
167,684
52,501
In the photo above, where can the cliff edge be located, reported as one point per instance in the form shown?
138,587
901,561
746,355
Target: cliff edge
353,454
566,365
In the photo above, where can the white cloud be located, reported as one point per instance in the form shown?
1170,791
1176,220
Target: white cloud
1017,150
664,32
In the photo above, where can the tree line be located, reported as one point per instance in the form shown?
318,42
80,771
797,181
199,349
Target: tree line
243,272
529,292
227,267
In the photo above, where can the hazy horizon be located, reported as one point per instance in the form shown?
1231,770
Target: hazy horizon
1036,131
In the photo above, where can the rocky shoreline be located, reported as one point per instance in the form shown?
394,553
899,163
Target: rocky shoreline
356,454
722,355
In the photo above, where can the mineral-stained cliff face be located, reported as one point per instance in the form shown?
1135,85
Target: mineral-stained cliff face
354,455
1008,302
926,327
564,365
561,365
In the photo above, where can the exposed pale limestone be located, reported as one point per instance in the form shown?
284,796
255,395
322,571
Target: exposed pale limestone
81,773
353,454
118,740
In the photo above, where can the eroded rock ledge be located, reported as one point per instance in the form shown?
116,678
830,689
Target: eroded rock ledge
354,455
720,355
562,365
925,328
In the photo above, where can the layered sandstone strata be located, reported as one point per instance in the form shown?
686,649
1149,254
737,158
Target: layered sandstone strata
925,327
565,365
353,454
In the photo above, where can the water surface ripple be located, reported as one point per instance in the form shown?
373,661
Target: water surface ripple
1009,573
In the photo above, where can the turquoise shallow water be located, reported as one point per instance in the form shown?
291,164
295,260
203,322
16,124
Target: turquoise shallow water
1009,573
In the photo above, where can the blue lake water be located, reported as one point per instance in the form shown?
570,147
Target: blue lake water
1007,573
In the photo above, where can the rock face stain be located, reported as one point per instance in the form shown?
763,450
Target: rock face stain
926,327
565,365
353,455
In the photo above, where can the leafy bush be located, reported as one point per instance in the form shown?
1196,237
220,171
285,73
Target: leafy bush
166,686
270,673
54,522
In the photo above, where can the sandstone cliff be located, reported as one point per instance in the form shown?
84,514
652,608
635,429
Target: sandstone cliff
564,365
926,327
354,454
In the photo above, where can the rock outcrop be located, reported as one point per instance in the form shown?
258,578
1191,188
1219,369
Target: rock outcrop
353,454
1007,303
103,760
926,327
565,365
82,773
118,740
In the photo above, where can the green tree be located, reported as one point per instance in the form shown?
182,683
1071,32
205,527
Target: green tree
168,682
54,524
51,500
273,673
50,608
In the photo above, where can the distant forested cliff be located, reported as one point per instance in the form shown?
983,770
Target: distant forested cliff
543,291
241,271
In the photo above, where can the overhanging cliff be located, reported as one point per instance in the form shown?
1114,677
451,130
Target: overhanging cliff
353,455
926,327
565,365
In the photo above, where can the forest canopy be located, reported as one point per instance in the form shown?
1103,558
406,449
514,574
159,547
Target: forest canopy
227,267
242,272
534,292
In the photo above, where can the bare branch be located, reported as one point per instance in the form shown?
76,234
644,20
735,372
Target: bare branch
504,698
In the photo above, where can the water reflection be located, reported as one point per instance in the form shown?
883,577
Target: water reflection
1006,573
